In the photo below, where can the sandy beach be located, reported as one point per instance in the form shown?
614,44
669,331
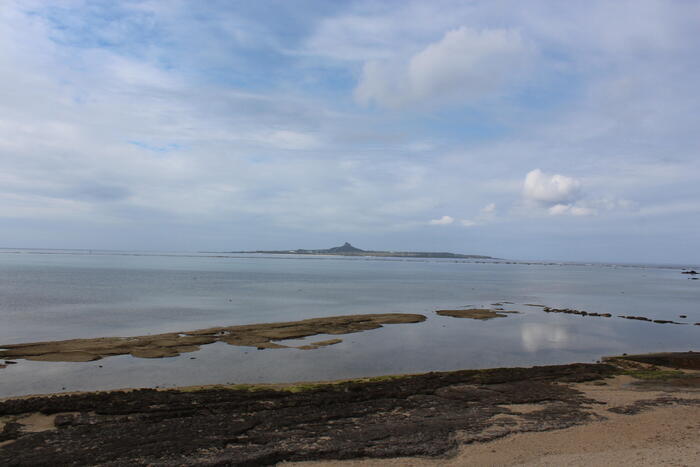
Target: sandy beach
621,411
659,425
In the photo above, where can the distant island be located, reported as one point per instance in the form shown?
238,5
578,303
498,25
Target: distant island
348,250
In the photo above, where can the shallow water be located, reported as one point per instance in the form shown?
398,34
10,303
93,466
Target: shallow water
52,295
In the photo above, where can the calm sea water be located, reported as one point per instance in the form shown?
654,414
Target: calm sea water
52,295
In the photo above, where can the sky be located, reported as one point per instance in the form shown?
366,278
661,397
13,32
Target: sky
526,130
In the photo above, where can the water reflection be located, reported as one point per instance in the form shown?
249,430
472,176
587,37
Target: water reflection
536,336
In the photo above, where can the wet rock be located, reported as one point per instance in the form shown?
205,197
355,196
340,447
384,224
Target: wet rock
418,415
319,344
474,313
641,406
11,430
687,360
570,311
63,357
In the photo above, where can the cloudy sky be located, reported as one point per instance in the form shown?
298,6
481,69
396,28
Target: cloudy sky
530,130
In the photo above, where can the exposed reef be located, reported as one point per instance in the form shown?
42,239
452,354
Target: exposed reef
425,415
261,336
570,311
643,318
475,313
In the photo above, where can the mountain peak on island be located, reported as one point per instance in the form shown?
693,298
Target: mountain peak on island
346,248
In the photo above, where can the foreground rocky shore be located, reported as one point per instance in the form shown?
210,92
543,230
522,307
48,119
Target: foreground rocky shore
424,415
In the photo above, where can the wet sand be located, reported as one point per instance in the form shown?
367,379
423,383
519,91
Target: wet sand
562,414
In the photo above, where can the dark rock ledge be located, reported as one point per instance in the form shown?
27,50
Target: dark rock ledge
420,415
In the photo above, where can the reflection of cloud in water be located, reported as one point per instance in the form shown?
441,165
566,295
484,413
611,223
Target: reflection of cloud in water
543,336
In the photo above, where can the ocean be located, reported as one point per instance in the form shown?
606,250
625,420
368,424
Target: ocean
66,294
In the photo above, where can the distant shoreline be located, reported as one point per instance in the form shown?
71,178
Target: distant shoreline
383,254
369,254
348,250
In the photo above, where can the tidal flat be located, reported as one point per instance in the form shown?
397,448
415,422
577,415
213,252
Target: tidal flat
132,320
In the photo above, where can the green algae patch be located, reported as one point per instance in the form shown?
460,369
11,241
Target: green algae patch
260,336
655,374
222,387
475,313
294,387
685,360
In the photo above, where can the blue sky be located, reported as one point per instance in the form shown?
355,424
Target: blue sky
531,130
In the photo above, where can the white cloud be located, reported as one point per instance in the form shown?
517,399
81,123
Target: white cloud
560,195
489,208
550,190
560,209
486,214
444,220
465,65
